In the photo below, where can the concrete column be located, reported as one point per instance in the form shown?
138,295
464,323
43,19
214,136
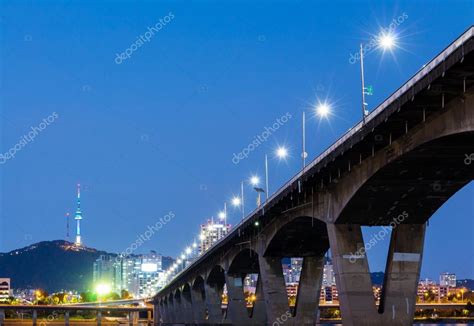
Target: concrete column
187,308
351,270
199,306
159,313
236,308
66,318
402,274
34,317
166,317
259,315
274,289
213,303
171,311
307,300
178,311
2,317
99,317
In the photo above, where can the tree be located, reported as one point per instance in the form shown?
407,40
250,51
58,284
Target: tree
125,295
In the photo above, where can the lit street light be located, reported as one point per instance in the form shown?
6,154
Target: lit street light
386,41
323,110
281,153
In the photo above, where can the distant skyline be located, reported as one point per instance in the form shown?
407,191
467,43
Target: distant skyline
197,83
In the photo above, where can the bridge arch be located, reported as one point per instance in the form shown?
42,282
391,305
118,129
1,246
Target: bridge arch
426,163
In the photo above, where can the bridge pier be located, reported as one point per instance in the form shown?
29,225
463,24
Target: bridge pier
179,314
351,269
236,307
199,305
259,315
158,312
274,289
309,289
187,306
214,303
402,274
171,311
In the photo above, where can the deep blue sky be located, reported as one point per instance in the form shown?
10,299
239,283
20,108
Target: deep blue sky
157,132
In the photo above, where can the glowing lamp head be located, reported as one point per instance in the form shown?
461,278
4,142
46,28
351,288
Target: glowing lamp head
236,201
387,40
323,109
103,289
202,237
183,256
281,152
221,215
254,180
195,245
188,250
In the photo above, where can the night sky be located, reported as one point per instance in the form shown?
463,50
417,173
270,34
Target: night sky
156,132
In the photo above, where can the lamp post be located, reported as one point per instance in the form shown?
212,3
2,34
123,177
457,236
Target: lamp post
281,152
255,181
386,41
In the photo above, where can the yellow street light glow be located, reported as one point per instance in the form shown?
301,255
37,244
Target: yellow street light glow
254,180
236,201
103,288
282,152
387,40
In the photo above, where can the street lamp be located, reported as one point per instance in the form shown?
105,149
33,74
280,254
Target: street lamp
281,153
323,110
255,181
386,41
223,216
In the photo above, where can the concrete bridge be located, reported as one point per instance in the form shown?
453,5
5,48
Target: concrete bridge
409,157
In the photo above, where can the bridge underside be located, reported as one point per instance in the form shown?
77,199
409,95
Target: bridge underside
417,183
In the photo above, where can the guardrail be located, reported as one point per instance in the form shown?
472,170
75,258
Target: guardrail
133,313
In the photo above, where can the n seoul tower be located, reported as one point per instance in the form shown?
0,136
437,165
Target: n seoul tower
78,217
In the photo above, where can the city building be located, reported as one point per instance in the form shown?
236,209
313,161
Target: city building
141,276
447,279
211,232
5,290
104,271
329,278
